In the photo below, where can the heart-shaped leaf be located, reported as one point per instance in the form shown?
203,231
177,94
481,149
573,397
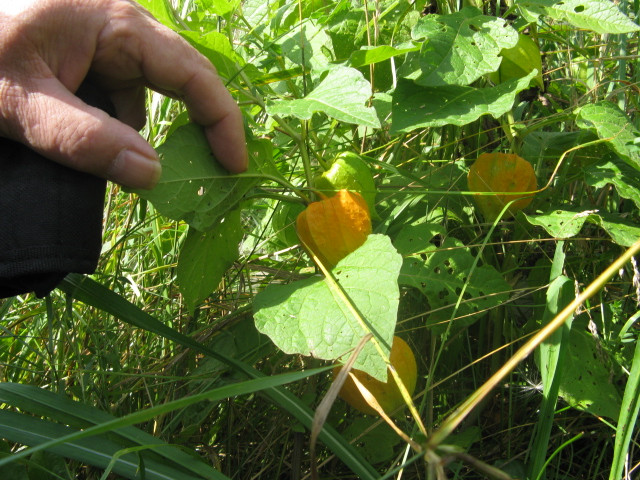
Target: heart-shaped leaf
310,318
194,187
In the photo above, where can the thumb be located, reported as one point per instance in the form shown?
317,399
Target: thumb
60,126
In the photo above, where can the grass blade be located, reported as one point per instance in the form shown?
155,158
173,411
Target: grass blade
97,450
628,417
92,293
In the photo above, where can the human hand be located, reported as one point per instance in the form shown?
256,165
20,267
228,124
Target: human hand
48,47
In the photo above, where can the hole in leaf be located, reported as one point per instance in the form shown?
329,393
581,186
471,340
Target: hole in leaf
579,8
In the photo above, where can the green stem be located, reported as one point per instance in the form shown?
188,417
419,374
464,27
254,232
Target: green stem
304,152
507,122
277,196
279,180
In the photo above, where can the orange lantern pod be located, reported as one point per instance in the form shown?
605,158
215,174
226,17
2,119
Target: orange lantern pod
334,227
501,172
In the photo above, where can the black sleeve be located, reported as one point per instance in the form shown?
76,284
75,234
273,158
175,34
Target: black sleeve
50,215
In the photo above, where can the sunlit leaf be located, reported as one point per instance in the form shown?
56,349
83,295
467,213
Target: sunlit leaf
562,223
161,10
308,317
614,171
217,48
601,16
194,187
418,107
306,45
458,48
342,95
612,124
369,56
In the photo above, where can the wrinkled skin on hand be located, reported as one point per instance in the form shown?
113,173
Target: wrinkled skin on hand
49,47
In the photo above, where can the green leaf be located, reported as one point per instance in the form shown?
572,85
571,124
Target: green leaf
614,171
415,238
220,7
568,223
419,107
445,273
194,187
585,382
518,61
622,231
370,55
459,48
161,10
376,442
206,256
97,451
466,438
306,45
61,409
217,48
549,146
601,16
341,95
560,223
309,318
610,123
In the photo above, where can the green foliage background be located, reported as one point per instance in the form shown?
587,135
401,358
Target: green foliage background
169,361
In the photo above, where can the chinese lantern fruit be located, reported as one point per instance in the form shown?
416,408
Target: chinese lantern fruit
517,62
501,172
349,172
334,227
386,394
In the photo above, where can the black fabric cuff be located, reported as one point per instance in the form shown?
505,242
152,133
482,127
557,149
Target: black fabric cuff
50,215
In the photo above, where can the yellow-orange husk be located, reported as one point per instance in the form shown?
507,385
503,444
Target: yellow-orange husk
387,394
501,172
334,227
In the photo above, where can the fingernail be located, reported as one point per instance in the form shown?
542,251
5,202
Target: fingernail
135,170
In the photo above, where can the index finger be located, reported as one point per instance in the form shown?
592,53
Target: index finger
170,65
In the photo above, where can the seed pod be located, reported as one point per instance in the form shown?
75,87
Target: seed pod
350,172
387,394
334,227
501,172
